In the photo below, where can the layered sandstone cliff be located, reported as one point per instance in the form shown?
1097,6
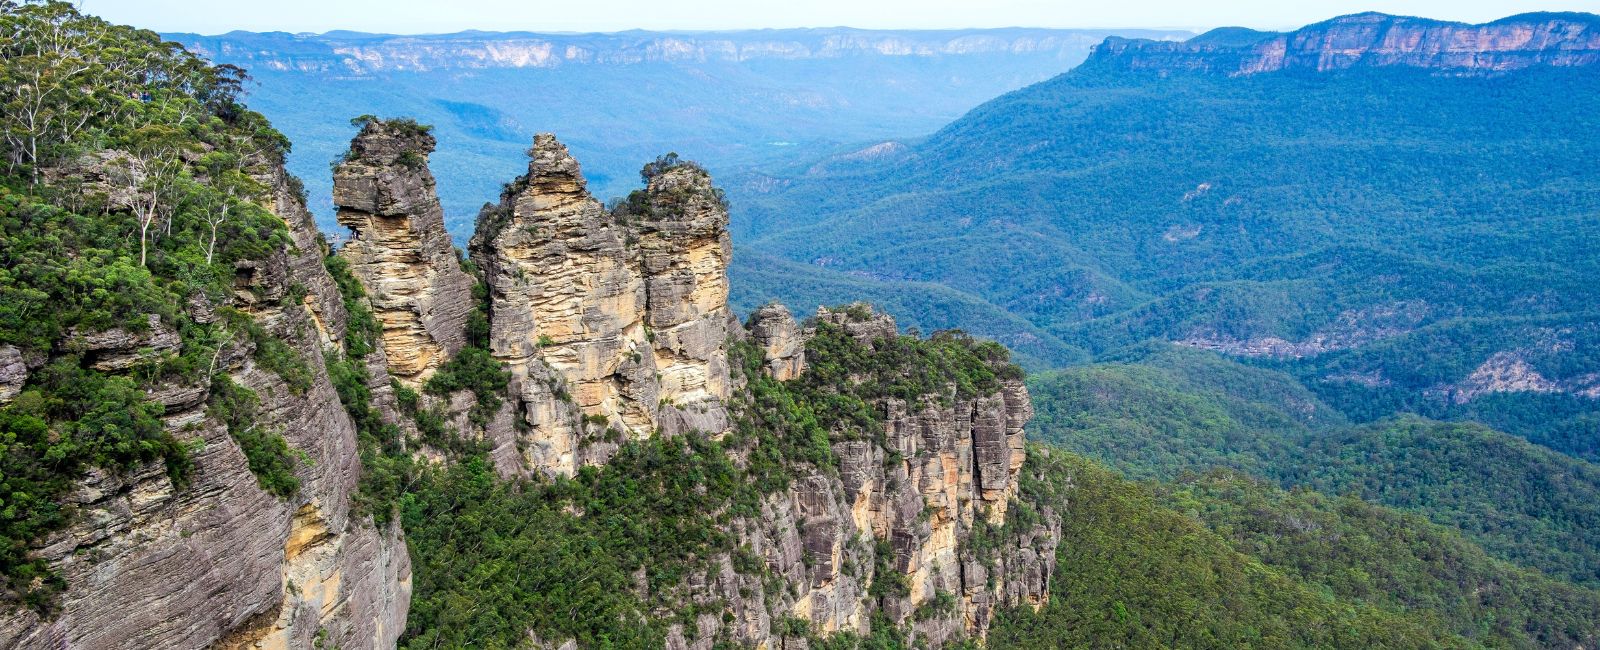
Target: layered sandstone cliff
221,562
613,323
619,318
1372,40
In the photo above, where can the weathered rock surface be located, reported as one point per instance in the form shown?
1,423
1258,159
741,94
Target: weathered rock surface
613,324
1352,329
606,321
566,310
121,348
942,470
13,372
774,329
222,562
399,248
684,254
1372,39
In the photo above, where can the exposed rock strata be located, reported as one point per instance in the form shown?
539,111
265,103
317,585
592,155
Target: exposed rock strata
1372,39
13,372
223,562
621,320
942,470
399,248
1352,329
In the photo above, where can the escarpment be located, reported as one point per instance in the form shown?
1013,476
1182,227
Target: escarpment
906,522
869,481
399,249
1371,40
223,562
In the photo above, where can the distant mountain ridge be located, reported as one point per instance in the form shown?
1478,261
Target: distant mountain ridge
361,53
1371,39
725,99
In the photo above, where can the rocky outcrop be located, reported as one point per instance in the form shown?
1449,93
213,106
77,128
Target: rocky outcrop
121,348
13,372
911,505
567,310
607,321
1353,328
684,251
1371,40
399,249
774,329
222,562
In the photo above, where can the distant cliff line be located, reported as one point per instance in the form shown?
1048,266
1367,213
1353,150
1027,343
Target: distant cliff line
365,53
1370,40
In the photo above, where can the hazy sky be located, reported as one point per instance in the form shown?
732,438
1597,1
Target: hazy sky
432,16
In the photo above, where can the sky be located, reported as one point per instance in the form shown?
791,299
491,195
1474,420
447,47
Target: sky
439,16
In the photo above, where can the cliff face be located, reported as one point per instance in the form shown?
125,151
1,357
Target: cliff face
367,54
774,329
222,562
908,530
613,324
1372,40
399,248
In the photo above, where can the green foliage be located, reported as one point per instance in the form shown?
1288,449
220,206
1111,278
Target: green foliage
361,329
266,453
559,558
1425,221
1397,562
168,137
474,369
1134,573
1168,411
69,420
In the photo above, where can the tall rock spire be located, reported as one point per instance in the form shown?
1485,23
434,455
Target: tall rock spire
399,248
623,313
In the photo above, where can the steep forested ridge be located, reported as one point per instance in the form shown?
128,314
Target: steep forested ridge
1400,237
133,187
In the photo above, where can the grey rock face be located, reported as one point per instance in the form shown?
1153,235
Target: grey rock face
860,321
119,348
13,372
775,330
908,505
399,248
222,562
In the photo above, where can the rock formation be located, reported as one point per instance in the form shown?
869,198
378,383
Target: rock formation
909,504
622,315
1372,39
684,254
399,248
618,320
613,323
223,563
775,330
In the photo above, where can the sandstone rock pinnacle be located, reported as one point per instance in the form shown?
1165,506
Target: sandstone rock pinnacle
399,248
